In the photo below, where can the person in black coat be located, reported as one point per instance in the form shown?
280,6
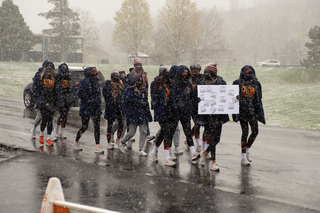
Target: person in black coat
212,122
112,93
90,106
69,98
250,109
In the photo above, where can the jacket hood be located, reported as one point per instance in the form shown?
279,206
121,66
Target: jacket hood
87,71
173,72
45,64
60,66
181,68
243,70
133,79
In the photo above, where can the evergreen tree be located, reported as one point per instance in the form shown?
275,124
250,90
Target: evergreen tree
15,36
133,29
313,58
65,25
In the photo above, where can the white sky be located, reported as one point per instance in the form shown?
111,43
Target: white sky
101,10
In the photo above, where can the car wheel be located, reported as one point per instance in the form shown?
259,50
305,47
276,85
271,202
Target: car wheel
28,99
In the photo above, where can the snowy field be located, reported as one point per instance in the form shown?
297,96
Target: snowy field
290,95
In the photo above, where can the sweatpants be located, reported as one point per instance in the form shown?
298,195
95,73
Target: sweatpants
85,124
143,128
116,125
37,120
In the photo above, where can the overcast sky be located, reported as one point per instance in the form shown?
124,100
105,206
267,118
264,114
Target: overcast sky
101,10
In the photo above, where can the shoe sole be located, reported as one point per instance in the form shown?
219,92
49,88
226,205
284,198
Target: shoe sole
101,153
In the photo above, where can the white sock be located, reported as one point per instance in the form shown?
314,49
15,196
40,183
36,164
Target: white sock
170,150
204,146
167,154
244,155
154,149
191,149
41,133
198,141
49,137
247,149
52,133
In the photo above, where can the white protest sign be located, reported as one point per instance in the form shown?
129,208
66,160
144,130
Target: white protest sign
218,99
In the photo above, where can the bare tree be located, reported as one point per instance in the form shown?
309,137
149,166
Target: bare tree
210,38
91,33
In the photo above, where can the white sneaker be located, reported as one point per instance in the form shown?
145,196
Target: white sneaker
129,144
177,151
142,153
76,146
172,157
110,146
194,156
199,148
33,133
121,146
245,162
248,157
99,151
153,157
214,167
169,163
202,159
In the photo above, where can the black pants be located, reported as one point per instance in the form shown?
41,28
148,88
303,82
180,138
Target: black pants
85,124
213,131
63,115
47,117
186,126
166,134
253,122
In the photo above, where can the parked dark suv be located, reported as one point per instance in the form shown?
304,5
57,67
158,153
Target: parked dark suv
77,74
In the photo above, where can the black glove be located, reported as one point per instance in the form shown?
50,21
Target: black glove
198,99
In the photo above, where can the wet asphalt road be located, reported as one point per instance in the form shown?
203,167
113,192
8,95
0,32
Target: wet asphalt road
283,177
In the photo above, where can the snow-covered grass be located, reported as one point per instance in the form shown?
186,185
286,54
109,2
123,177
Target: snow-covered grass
290,95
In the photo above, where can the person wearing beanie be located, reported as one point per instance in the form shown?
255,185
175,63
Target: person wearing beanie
212,123
69,98
48,91
250,110
181,99
137,112
112,93
195,131
90,106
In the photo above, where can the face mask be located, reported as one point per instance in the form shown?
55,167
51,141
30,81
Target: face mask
207,76
115,79
195,75
247,77
138,69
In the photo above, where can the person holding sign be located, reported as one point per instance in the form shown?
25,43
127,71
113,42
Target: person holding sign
212,122
250,110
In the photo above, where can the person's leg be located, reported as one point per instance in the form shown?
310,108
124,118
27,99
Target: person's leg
186,125
43,124
254,133
176,136
143,128
130,134
37,121
245,131
109,130
85,123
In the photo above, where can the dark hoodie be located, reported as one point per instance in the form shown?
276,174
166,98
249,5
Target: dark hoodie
89,94
250,97
182,95
68,85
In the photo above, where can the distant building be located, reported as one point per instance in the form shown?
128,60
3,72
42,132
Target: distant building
143,58
41,51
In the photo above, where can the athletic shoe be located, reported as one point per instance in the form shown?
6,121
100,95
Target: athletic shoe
177,151
202,159
142,153
117,142
99,151
199,148
49,142
110,146
248,157
121,146
169,163
150,138
112,140
245,162
172,157
214,167
41,139
129,144
194,156
33,133
76,146
153,157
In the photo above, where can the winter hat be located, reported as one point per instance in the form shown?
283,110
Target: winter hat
212,69
137,62
163,70
93,71
115,73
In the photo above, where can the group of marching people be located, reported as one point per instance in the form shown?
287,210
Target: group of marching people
174,98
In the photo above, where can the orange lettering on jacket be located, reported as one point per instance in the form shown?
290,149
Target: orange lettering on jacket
48,83
65,84
248,91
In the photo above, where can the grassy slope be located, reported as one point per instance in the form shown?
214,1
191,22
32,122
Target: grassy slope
290,95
